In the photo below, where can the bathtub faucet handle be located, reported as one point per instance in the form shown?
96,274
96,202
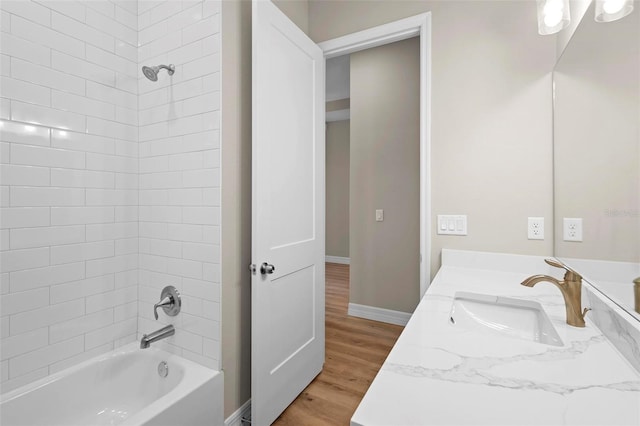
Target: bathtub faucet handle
164,302
170,302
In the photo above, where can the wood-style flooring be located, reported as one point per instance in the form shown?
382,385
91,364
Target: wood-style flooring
355,351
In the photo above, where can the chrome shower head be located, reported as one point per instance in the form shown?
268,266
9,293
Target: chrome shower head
152,72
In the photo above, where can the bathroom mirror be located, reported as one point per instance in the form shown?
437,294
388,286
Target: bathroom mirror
597,155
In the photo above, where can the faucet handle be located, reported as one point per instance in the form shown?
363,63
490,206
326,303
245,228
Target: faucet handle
555,263
167,301
569,274
170,303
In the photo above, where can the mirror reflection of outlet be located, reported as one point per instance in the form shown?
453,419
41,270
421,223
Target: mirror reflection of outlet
572,229
535,228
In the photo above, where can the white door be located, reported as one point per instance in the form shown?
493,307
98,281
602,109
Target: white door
287,324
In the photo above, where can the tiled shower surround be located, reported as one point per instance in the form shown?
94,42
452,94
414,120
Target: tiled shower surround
110,183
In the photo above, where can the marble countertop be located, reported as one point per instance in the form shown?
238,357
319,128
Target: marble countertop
440,374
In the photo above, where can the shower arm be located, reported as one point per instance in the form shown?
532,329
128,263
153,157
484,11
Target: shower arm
170,69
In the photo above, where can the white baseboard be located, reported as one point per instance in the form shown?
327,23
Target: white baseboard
379,314
235,419
338,259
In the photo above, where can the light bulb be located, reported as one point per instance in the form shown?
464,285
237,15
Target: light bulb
613,6
612,10
551,7
551,19
553,16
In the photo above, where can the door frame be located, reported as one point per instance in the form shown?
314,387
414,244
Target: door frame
418,25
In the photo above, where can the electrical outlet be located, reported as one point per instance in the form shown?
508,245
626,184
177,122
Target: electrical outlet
535,228
572,229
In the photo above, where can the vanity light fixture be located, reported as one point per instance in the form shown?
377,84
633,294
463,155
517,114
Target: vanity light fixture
553,16
612,10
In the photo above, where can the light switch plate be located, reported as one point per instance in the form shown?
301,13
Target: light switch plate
379,215
452,224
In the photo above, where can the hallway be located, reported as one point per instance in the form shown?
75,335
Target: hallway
355,351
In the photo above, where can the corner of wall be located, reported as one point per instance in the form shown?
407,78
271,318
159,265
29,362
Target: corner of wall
578,10
236,203
297,11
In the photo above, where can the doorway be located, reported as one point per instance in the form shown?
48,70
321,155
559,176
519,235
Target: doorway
420,26
372,178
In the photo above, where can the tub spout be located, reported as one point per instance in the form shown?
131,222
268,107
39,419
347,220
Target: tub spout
163,333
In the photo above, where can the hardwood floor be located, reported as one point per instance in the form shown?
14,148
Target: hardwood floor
355,351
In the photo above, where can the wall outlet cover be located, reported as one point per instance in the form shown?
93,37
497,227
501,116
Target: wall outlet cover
572,229
535,228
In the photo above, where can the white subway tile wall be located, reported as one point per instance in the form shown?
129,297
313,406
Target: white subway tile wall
109,183
62,110
179,167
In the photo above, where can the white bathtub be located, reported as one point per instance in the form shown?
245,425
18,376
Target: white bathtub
122,387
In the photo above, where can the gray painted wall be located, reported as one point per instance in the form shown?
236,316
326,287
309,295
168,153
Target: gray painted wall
385,174
491,132
597,140
236,194
236,203
337,184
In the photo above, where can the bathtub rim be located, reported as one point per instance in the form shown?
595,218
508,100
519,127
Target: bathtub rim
193,371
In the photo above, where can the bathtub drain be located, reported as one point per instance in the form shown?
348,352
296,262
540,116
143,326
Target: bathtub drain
163,369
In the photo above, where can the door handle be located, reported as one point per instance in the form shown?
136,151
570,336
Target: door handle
266,268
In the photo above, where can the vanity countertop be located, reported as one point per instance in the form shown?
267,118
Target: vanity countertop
440,374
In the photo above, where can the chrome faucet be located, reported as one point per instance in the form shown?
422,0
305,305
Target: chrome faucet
163,333
571,289
171,303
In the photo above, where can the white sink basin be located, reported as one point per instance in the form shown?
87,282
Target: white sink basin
521,319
